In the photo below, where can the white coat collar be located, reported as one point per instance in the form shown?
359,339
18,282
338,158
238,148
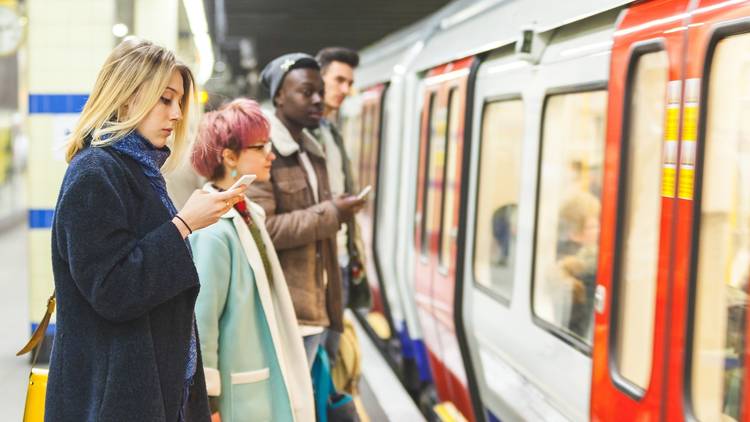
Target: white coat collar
283,141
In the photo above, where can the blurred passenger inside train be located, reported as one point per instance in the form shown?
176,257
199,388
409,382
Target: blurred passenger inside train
255,364
126,346
577,253
502,249
302,216
337,66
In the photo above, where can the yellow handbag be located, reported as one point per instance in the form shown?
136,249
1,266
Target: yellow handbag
37,392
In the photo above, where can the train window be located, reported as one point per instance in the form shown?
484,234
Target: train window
428,193
723,254
373,146
567,234
368,136
639,217
434,171
447,231
497,198
352,133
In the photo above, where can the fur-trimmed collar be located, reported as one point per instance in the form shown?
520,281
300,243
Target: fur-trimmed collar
285,144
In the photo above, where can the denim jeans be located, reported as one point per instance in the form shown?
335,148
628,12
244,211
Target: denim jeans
333,339
311,343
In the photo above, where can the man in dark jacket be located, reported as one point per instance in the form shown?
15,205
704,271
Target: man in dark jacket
302,216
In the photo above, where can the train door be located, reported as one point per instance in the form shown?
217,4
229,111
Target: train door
707,369
634,292
366,169
364,132
436,229
534,212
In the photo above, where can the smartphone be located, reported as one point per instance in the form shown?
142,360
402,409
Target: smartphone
364,192
245,180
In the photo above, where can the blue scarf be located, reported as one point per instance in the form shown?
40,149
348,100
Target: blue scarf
151,159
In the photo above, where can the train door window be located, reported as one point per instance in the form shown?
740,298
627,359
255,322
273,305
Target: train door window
567,232
497,198
428,192
373,144
447,230
723,254
374,149
352,132
368,127
639,217
436,169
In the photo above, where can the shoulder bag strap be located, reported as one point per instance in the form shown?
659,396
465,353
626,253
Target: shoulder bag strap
41,329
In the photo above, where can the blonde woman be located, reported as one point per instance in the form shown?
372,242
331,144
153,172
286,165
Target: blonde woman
254,358
126,346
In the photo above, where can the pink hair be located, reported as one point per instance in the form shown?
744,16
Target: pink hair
235,126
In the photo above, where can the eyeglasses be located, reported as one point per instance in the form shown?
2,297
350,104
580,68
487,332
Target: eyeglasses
266,147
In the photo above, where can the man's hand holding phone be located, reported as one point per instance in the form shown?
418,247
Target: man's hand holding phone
348,205
364,192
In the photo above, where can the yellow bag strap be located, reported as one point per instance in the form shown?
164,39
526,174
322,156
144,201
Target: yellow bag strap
41,329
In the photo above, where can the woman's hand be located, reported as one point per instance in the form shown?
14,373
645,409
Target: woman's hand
203,208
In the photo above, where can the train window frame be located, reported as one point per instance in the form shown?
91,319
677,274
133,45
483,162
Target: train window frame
443,266
566,338
424,248
637,51
720,33
479,286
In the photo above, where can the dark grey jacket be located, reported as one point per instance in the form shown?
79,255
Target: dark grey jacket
126,289
354,245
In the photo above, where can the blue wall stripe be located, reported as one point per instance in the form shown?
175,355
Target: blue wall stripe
41,219
56,103
51,328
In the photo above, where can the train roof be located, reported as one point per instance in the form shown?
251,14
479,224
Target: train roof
379,60
491,24
466,27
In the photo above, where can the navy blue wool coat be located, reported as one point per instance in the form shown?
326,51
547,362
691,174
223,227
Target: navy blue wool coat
126,289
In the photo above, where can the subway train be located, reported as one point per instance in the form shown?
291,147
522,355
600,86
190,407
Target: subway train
560,221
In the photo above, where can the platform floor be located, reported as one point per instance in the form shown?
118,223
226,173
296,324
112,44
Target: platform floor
14,314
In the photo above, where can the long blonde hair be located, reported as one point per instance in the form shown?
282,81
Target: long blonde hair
129,84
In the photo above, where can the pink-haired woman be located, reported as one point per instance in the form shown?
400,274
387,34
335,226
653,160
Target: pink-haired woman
254,360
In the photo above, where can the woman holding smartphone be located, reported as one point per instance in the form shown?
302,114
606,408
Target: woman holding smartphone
126,346
255,362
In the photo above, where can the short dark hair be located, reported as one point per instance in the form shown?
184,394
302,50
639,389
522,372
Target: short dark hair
337,54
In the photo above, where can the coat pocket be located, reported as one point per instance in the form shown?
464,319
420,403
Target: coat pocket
293,194
251,396
292,185
250,376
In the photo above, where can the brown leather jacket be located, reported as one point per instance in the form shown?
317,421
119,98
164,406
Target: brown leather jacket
303,231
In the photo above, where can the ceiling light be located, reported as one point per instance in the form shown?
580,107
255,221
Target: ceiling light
119,30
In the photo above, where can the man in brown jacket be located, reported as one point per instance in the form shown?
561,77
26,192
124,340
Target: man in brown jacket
301,215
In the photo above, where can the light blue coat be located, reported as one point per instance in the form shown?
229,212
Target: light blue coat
252,351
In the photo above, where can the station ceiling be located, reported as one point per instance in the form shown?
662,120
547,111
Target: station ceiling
253,32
